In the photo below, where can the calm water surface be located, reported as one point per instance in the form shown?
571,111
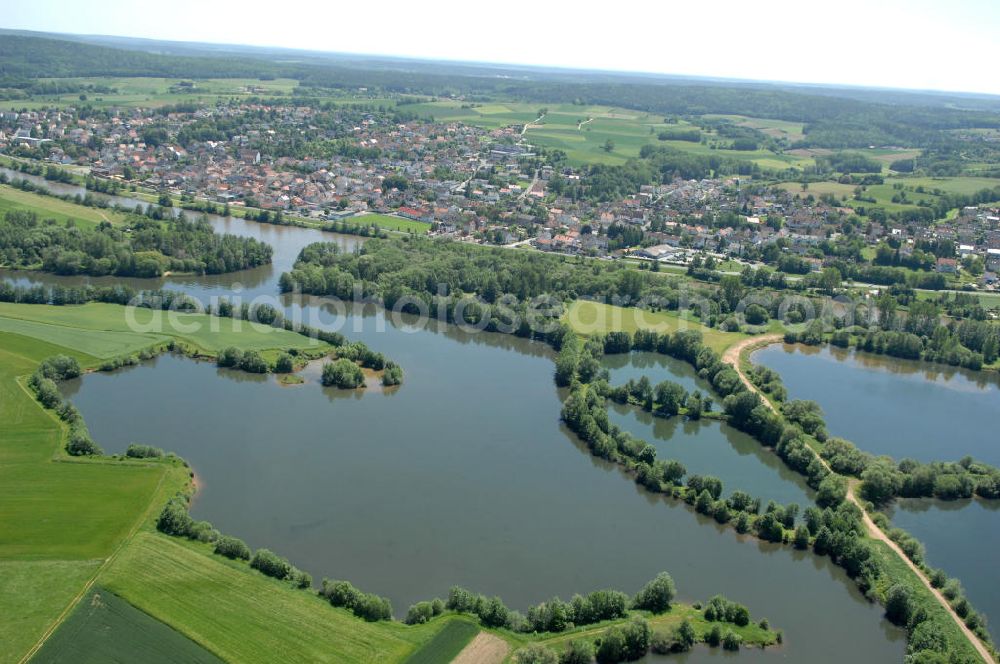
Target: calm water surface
962,537
895,407
462,476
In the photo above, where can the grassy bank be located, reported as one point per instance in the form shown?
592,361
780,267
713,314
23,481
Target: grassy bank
49,207
587,317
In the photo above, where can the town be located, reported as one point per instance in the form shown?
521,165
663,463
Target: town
492,186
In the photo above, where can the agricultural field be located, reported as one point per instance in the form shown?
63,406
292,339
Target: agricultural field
153,92
884,193
56,518
48,207
582,131
587,317
780,129
243,616
446,644
105,628
32,594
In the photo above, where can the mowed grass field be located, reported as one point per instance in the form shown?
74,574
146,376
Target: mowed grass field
243,616
105,628
108,330
587,317
48,207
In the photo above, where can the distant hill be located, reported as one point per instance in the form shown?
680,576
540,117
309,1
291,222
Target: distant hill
835,117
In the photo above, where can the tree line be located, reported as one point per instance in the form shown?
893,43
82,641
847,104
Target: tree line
142,248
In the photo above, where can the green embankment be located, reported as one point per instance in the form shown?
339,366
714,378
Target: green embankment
105,628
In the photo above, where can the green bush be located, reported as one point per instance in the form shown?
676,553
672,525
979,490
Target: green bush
343,373
233,548
270,564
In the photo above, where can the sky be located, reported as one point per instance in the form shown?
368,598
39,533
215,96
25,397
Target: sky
919,44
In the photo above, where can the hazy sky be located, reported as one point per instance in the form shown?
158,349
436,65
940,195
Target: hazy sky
925,44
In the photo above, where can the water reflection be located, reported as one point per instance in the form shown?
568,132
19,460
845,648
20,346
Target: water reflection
895,407
961,537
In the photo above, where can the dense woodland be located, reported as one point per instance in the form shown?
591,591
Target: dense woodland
142,248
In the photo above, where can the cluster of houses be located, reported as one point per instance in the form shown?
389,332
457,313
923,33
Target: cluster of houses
469,182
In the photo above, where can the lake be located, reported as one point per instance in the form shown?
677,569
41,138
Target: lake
890,406
962,537
464,475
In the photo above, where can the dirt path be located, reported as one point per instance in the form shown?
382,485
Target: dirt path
484,649
876,533
733,353
533,122
732,357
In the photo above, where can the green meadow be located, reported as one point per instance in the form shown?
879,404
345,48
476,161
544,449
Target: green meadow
587,317
49,207
154,91
109,330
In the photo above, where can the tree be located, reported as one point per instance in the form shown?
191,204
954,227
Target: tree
578,651
343,373
669,396
609,145
686,636
393,374
656,595
611,649
731,640
535,653
284,364
270,564
832,491
879,484
81,444
801,536
253,362
898,604
637,636
233,548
